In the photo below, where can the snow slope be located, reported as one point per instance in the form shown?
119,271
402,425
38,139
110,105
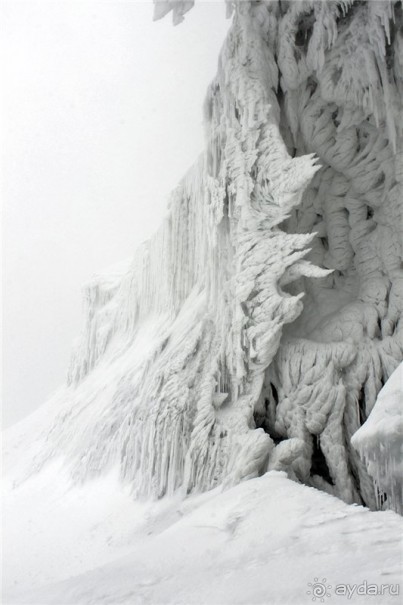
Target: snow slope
263,541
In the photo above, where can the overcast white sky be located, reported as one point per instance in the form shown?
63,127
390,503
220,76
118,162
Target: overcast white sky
101,117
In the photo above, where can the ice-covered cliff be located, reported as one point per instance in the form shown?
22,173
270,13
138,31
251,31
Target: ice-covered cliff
256,328
380,441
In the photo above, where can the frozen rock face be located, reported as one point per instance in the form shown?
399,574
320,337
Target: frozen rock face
256,328
380,441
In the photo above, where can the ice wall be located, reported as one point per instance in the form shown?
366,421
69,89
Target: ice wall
380,442
341,78
255,329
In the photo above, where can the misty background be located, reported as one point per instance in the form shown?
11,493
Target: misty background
101,117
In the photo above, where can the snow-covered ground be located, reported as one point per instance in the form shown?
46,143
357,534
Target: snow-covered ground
263,541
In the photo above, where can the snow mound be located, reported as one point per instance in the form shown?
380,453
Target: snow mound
265,540
380,441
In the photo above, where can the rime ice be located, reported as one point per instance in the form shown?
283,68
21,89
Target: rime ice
256,328
380,441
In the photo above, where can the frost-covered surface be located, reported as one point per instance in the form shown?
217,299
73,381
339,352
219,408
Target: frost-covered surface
380,440
263,541
256,328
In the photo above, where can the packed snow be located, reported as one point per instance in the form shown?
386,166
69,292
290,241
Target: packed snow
264,541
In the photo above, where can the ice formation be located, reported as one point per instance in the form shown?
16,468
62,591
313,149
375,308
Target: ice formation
256,328
380,440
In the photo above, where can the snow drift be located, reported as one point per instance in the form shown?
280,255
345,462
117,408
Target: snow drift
263,541
256,328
